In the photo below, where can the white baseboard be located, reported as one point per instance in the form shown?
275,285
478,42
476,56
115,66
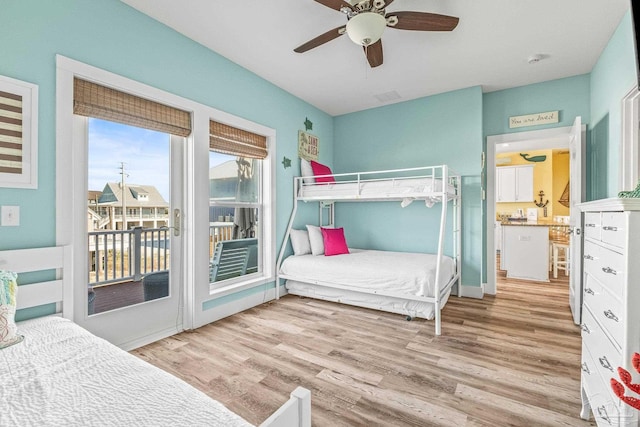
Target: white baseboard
472,291
233,307
148,339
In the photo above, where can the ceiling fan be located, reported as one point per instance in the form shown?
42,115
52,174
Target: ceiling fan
366,21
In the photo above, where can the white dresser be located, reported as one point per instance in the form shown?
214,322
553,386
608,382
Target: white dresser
610,306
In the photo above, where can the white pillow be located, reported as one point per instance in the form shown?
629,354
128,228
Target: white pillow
306,171
316,240
300,242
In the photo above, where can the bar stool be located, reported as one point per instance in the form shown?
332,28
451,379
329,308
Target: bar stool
560,258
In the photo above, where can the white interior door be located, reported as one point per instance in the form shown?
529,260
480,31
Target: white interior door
576,195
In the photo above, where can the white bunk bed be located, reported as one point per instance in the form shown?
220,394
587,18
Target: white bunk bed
60,374
431,276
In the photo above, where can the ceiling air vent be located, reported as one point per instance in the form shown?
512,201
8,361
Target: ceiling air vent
388,96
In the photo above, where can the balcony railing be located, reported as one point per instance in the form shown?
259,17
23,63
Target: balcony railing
127,255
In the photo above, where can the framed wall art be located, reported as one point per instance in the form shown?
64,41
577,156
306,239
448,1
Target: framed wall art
18,134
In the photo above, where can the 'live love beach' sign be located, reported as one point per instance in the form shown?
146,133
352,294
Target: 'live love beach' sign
534,119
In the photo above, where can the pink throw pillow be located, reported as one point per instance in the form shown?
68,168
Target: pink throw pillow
320,169
334,241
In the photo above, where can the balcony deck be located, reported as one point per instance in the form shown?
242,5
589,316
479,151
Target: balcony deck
117,295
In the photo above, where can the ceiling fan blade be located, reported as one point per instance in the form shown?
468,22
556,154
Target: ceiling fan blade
321,39
335,4
423,21
374,53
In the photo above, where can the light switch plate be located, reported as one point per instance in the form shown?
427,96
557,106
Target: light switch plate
10,216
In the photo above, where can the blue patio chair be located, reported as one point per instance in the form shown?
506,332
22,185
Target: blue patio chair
155,285
233,258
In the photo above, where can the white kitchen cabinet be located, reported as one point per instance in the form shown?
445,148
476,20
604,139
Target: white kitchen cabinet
514,184
610,300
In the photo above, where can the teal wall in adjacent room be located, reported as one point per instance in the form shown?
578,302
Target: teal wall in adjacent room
115,37
613,76
439,129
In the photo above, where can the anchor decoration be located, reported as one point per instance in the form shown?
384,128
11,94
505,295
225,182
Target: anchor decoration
542,204
534,158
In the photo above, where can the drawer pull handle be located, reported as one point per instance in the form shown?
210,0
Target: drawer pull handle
585,328
609,270
585,368
589,225
610,228
605,363
609,315
602,413
587,256
589,291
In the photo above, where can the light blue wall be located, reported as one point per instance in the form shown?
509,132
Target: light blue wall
110,35
569,95
613,76
440,129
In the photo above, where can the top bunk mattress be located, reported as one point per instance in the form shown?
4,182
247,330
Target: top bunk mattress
62,375
397,188
403,272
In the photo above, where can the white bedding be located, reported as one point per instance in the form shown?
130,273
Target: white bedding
61,375
371,270
389,188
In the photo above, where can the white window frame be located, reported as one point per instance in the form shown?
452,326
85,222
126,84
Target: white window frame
195,215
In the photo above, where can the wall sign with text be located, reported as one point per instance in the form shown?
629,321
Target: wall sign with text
308,146
534,119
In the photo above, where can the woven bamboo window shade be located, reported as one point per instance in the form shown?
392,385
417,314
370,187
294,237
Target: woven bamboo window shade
237,142
10,133
93,100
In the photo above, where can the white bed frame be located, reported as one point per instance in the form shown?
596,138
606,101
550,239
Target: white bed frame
296,412
450,191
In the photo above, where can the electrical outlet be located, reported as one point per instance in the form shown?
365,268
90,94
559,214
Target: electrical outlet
10,216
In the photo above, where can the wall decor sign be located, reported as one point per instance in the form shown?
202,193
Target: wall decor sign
534,119
18,133
308,146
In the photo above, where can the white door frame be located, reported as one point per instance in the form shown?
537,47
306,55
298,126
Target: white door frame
630,150
131,326
551,137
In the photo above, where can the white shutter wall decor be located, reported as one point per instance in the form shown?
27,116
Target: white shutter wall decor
10,133
18,133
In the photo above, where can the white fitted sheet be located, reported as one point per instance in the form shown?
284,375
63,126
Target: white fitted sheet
62,375
370,270
408,188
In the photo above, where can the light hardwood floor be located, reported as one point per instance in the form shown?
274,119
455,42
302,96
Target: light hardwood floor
508,360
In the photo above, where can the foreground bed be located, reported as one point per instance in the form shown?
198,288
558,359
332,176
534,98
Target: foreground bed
62,375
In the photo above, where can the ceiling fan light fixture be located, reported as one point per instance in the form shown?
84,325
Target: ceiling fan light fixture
366,28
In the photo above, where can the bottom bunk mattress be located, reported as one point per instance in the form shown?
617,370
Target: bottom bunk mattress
62,375
368,274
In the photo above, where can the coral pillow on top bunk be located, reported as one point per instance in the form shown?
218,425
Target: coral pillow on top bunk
320,169
334,241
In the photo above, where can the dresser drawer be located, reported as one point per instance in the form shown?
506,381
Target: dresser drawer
592,224
604,405
613,228
606,309
606,265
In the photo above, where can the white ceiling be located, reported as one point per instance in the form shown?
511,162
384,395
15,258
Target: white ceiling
489,47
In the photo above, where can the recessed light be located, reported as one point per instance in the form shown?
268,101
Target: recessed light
535,58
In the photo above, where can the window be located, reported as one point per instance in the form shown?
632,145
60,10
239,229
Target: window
235,203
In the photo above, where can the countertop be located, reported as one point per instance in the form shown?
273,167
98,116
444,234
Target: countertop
539,223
